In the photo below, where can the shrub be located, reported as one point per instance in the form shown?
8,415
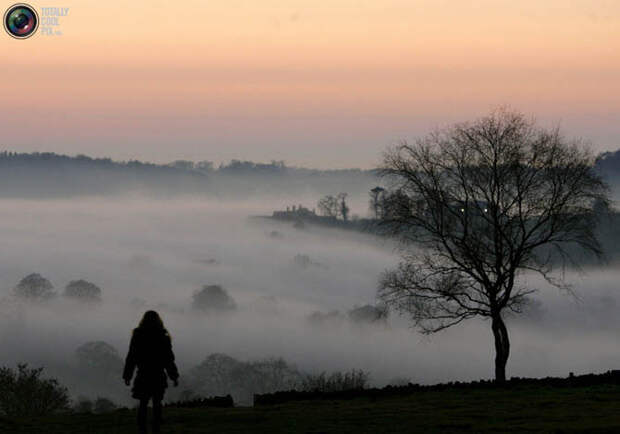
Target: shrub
276,234
99,356
302,261
305,262
83,290
34,287
213,298
83,405
337,381
318,317
275,374
220,374
368,314
104,405
25,393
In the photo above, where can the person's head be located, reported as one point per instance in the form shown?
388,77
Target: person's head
152,321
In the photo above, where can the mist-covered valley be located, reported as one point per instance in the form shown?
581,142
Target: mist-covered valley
156,254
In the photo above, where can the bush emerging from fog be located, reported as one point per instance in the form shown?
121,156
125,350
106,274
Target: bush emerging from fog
333,316
220,374
104,405
34,287
275,374
336,381
83,405
213,298
276,235
99,356
305,262
25,393
368,314
83,290
101,405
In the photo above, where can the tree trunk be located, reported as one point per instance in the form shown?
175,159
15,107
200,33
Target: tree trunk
502,347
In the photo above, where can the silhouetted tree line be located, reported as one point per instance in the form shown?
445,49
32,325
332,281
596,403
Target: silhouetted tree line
390,391
213,401
366,314
51,175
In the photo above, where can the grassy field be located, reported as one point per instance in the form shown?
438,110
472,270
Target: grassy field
517,409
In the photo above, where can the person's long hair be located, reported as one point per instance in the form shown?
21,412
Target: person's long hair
151,321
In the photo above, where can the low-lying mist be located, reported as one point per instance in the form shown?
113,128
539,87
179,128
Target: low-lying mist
155,254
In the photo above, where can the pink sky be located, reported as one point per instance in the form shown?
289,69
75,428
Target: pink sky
323,84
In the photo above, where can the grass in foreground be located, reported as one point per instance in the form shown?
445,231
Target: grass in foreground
517,409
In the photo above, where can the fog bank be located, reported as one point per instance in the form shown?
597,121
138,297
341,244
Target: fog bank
157,253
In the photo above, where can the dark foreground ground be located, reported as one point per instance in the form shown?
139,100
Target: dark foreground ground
527,408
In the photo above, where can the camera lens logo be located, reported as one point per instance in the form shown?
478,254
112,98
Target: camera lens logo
21,21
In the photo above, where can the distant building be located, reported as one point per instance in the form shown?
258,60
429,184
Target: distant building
295,212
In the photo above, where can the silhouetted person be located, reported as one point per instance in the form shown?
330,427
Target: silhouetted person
151,352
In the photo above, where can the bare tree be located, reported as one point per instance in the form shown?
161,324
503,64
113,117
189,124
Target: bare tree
343,208
334,206
376,199
329,206
475,206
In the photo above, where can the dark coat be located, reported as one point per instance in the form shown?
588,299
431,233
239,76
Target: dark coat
150,351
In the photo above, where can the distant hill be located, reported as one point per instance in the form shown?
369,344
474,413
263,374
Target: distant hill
40,175
51,175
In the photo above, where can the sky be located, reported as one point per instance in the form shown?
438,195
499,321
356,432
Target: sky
320,84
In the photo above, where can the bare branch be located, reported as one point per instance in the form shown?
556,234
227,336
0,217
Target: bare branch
484,202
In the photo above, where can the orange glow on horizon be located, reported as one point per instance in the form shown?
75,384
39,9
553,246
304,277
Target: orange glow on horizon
345,58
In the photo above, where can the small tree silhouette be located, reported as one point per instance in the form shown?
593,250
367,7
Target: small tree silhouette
213,298
34,287
99,356
104,405
220,374
369,314
83,290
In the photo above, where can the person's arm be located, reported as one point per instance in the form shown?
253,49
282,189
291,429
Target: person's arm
170,366
130,360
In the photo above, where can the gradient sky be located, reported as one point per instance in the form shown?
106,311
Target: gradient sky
322,84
